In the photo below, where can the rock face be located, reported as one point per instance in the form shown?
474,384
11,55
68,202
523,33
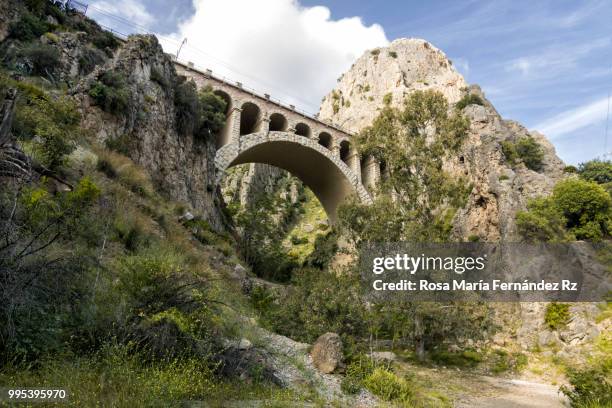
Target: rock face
388,75
392,72
327,353
181,166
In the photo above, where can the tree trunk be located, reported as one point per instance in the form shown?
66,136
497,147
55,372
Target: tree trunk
419,338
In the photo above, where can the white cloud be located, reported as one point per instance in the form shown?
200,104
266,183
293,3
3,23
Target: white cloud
275,46
558,58
574,119
130,11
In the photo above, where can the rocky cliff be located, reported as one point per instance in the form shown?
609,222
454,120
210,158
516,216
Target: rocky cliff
387,75
181,166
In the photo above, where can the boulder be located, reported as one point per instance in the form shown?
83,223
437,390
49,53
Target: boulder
327,353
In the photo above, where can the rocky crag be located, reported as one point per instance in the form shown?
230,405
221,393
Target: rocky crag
390,74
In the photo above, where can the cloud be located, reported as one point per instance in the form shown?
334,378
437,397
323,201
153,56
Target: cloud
558,58
574,119
294,53
130,11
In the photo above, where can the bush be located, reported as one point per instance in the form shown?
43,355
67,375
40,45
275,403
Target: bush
596,170
570,169
49,124
527,150
89,59
469,99
509,152
467,358
393,54
530,152
388,386
104,41
590,387
44,59
356,372
187,107
557,315
295,240
110,92
28,28
543,222
586,206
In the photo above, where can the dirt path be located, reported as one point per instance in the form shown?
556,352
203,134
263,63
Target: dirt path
504,393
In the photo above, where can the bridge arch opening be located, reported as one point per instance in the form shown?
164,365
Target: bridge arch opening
224,135
302,129
345,149
278,122
330,180
250,118
325,140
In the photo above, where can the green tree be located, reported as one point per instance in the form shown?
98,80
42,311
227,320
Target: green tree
576,209
598,171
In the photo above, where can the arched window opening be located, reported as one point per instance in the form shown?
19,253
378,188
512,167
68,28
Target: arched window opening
325,140
250,119
278,122
302,129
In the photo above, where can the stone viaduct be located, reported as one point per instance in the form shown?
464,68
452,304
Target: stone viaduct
261,130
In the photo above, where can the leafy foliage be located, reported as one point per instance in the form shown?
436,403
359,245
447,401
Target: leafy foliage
44,59
590,387
28,28
110,92
414,167
557,315
48,124
200,114
596,170
577,209
527,150
469,99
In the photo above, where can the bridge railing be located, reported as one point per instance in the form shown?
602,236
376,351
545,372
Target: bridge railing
208,73
83,7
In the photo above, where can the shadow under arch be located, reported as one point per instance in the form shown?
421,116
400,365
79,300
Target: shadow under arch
327,176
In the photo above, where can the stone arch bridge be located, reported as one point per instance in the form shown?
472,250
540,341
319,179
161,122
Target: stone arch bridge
261,130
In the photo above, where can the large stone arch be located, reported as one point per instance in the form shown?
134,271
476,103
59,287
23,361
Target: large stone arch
330,179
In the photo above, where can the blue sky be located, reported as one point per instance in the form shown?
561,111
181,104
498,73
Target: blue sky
546,64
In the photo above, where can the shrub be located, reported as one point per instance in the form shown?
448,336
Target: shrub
467,358
530,152
570,169
295,240
590,387
387,99
586,206
469,99
542,222
89,59
527,150
375,52
557,315
50,124
388,386
104,41
44,59
212,113
187,107
596,170
393,54
509,152
356,372
110,92
28,28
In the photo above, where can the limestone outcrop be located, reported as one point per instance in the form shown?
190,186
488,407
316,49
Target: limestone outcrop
181,166
389,74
